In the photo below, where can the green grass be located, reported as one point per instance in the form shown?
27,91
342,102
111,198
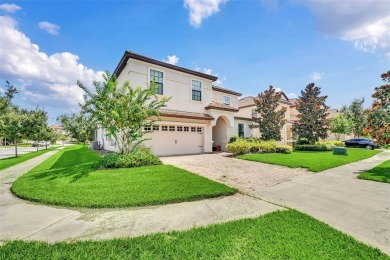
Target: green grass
380,173
285,234
313,161
8,162
70,178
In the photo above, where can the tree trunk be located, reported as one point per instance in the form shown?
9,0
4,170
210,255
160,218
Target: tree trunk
16,147
36,142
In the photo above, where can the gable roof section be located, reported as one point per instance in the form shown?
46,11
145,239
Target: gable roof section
225,90
132,55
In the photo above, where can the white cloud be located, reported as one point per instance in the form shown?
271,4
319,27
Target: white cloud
172,60
207,71
278,89
316,76
10,8
47,80
202,9
49,27
366,23
292,95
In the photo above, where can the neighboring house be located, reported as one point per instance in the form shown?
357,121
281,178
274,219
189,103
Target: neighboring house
60,130
198,117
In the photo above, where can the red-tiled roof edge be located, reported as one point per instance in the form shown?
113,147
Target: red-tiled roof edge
184,114
129,54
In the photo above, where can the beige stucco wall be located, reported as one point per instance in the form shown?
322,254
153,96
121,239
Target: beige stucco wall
217,96
176,84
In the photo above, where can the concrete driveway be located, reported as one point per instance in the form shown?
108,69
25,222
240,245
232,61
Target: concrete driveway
359,208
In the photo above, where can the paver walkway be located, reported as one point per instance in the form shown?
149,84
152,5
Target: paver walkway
20,219
359,208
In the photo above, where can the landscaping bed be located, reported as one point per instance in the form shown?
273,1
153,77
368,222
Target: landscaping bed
70,178
315,161
286,234
380,173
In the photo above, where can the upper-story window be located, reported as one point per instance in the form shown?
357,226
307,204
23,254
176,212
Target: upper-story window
196,90
157,76
254,113
226,100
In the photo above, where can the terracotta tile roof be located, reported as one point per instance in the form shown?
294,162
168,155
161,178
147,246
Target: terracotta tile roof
246,102
244,118
219,106
225,90
184,114
136,56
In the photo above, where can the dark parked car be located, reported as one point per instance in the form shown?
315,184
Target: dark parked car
361,142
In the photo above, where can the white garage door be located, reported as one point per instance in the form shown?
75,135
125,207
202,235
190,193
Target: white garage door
176,140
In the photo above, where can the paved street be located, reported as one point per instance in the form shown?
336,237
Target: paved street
10,151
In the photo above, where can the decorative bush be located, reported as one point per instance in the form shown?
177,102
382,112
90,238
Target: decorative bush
233,138
302,141
312,148
143,157
284,149
251,145
331,143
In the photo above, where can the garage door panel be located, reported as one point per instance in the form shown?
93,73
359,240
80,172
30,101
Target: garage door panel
175,142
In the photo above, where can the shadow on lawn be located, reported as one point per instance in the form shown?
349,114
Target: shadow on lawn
69,165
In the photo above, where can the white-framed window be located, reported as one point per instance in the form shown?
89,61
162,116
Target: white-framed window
180,129
171,128
193,129
158,77
241,131
254,113
196,90
186,129
199,129
111,141
156,128
226,100
164,128
147,128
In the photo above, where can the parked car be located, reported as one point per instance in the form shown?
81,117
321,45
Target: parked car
39,144
361,142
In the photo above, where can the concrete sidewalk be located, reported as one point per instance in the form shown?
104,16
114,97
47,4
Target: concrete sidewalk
357,207
20,219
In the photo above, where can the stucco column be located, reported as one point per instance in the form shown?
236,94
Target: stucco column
208,139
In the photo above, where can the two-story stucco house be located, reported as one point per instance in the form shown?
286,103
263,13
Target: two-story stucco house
198,117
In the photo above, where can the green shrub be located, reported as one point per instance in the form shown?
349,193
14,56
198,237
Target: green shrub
302,141
312,148
331,143
240,146
143,157
251,145
284,149
233,138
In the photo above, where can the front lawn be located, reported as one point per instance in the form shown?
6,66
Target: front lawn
286,234
70,178
11,161
380,173
313,161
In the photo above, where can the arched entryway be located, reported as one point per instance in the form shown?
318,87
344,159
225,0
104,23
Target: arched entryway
220,133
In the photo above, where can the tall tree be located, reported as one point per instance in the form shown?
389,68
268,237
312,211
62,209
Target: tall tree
340,125
14,125
123,111
5,100
36,127
355,113
378,117
79,125
312,109
270,119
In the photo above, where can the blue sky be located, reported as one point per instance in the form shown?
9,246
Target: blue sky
343,46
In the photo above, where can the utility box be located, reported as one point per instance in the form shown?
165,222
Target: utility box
340,150
95,145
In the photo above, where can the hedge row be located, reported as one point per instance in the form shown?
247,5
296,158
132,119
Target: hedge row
245,146
308,147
